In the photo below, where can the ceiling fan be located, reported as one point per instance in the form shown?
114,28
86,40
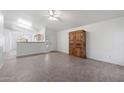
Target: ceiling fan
53,16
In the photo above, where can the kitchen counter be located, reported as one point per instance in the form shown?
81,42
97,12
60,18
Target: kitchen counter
30,48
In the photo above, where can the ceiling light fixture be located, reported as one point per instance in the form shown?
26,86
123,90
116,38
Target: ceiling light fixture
52,15
53,18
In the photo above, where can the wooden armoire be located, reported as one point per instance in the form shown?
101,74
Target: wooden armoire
77,43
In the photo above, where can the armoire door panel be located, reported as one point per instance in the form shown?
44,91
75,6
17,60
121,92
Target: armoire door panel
78,52
72,36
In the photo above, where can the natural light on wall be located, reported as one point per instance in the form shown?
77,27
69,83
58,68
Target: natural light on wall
1,30
1,37
1,40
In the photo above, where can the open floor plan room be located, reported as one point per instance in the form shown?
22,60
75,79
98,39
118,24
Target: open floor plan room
61,46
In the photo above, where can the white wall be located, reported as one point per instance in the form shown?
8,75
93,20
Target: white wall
105,40
51,39
1,37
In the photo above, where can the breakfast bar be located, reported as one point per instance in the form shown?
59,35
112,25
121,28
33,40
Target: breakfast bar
30,48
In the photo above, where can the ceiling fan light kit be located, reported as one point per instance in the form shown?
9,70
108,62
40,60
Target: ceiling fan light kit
53,16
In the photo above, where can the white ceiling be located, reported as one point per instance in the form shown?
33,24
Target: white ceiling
69,18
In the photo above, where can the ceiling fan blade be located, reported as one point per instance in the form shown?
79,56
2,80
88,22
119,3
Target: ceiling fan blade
55,18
